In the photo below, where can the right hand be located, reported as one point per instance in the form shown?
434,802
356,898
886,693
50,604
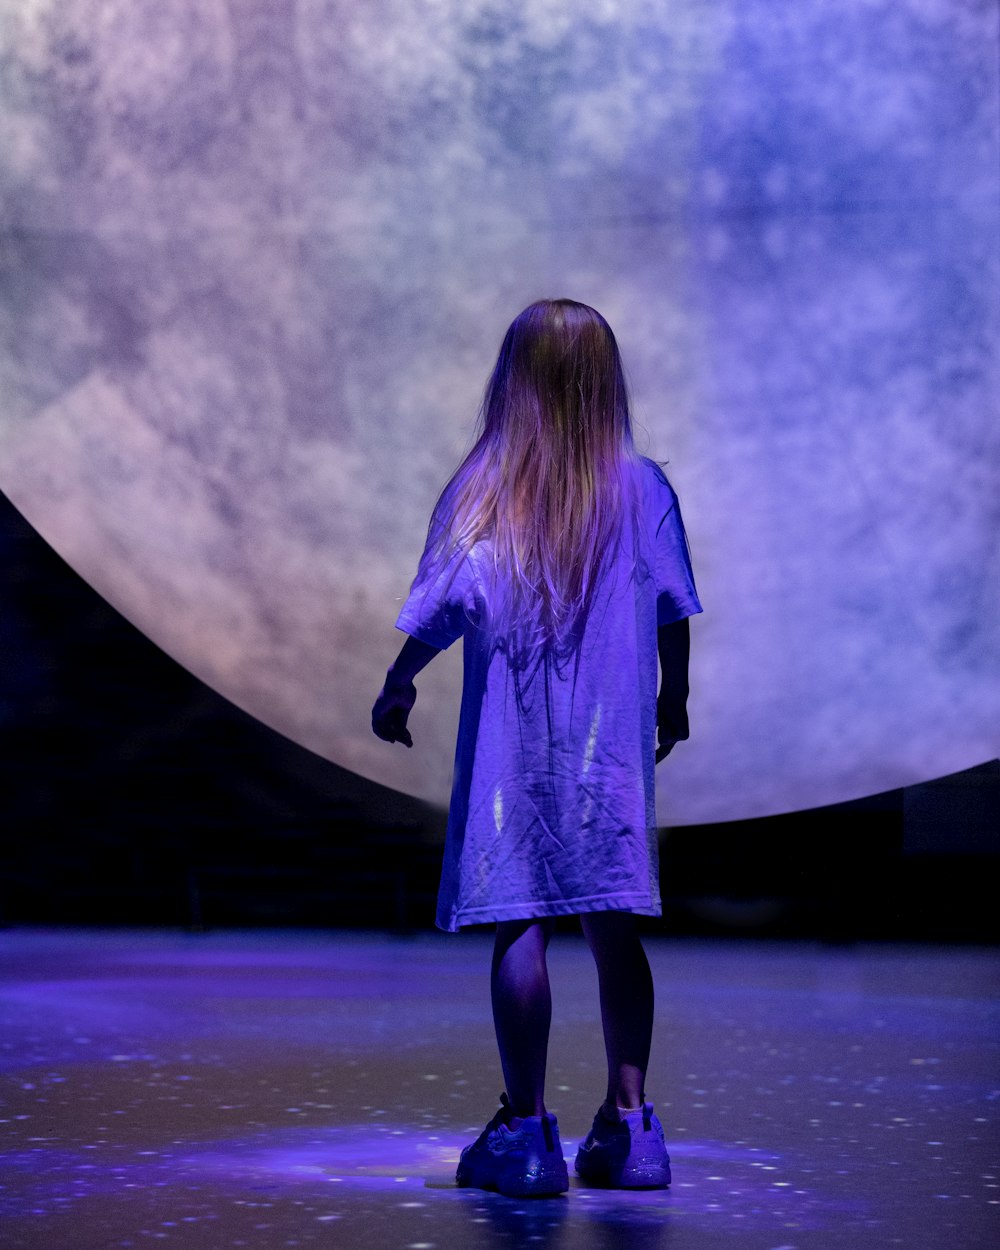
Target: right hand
391,710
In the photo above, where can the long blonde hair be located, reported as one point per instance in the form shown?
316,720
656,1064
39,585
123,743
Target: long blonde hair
549,480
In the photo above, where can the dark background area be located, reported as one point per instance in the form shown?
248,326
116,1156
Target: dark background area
132,793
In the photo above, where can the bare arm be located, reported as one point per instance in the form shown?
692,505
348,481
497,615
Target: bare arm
397,696
673,643
413,656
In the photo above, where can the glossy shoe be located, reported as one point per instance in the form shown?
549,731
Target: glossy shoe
627,1154
521,1162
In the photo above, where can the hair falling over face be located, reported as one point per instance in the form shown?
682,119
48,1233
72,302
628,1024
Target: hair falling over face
549,481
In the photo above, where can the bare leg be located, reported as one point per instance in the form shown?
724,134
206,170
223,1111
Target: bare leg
522,1010
626,985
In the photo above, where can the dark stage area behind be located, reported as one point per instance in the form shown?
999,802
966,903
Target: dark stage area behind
132,793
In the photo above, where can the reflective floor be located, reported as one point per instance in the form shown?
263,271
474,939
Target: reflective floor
272,1089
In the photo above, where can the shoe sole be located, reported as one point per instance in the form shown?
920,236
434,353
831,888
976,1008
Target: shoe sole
638,1175
541,1185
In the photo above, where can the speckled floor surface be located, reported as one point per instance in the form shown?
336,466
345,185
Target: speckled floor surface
273,1089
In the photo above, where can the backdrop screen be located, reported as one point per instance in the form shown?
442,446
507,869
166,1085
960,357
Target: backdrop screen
258,258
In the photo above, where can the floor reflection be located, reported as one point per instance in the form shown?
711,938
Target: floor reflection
277,1089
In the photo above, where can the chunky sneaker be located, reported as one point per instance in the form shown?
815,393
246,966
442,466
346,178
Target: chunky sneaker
526,1161
626,1154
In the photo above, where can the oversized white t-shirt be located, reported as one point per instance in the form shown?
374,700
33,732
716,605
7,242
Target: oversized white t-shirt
552,807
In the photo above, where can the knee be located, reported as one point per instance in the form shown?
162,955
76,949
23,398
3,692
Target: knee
609,934
527,935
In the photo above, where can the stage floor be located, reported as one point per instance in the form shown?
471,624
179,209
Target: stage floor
273,1089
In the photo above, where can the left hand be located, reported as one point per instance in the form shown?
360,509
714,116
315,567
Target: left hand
668,736
390,712
664,747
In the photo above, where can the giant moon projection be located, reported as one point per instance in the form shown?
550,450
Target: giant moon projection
258,257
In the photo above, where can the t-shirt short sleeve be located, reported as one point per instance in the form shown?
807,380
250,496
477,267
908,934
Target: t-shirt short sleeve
676,596
442,604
